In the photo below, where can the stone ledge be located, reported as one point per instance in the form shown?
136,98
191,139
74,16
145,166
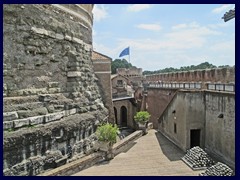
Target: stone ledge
21,122
7,124
75,166
35,120
52,34
9,116
54,116
123,144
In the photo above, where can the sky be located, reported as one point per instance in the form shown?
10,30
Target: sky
165,35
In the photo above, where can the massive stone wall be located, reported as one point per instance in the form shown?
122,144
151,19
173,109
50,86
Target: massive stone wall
51,98
218,75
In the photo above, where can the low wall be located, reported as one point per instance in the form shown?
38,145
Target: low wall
90,160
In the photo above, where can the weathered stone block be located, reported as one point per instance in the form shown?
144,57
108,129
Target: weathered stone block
67,37
54,90
35,112
53,84
74,74
45,98
5,73
20,123
36,120
38,62
82,110
7,124
93,108
50,108
54,116
70,112
39,31
59,36
4,87
9,116
76,40
51,34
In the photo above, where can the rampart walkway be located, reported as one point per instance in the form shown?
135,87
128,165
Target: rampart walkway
150,155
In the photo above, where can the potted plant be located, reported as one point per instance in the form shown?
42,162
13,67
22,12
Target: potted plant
107,136
142,118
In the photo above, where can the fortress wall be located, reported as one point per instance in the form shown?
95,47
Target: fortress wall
222,75
51,99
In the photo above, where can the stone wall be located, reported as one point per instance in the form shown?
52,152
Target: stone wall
201,110
102,68
130,72
222,75
186,111
220,131
52,103
157,100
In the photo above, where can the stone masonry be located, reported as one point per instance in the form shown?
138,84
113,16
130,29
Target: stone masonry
52,102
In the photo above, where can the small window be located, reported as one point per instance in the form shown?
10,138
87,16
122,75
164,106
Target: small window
119,82
175,128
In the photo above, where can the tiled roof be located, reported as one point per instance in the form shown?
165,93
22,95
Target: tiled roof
99,56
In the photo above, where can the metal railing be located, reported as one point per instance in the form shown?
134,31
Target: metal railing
194,85
221,87
176,85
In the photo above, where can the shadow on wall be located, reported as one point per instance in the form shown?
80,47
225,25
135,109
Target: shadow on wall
170,150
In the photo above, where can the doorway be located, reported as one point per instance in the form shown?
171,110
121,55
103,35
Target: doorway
115,113
195,137
123,116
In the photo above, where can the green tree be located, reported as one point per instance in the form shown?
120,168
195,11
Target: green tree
119,63
142,117
107,133
204,65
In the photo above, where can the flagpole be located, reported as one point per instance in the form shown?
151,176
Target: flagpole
129,55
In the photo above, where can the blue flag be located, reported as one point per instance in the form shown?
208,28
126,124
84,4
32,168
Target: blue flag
124,52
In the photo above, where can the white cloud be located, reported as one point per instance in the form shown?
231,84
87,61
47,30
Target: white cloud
224,46
152,27
184,45
191,37
184,26
99,12
138,7
222,8
179,26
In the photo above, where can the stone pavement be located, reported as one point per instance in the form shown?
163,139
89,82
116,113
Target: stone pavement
150,155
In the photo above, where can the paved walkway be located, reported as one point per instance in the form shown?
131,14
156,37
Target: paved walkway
150,155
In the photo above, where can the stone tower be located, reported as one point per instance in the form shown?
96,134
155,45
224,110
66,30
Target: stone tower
51,98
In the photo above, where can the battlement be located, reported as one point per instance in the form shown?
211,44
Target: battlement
217,75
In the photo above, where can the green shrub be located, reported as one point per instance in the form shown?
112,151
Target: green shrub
142,117
107,133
